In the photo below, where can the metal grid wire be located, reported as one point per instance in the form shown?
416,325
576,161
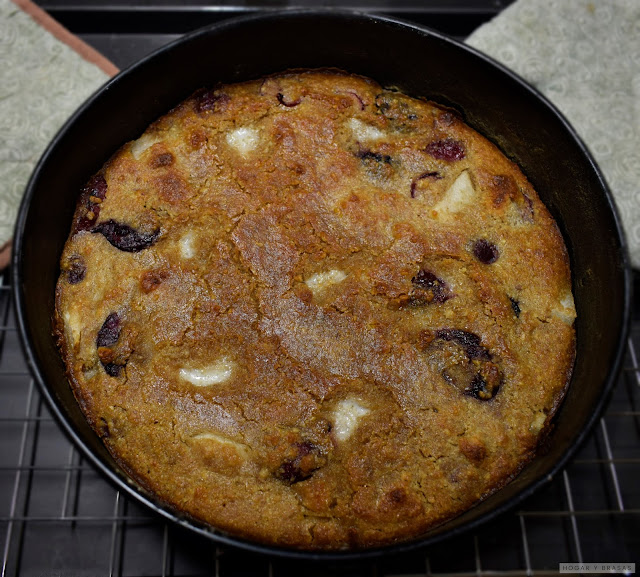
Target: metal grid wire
59,517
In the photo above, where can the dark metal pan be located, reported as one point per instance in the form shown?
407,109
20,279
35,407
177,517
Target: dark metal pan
420,62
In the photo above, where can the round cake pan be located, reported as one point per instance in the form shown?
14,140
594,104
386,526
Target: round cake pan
416,60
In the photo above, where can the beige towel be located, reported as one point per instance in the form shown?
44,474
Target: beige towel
585,57
46,73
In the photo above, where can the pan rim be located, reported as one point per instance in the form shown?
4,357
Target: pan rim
120,481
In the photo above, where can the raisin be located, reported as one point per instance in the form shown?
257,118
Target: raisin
480,389
76,271
91,198
433,175
109,333
428,288
486,252
473,449
113,351
447,149
209,101
467,365
463,338
113,369
515,305
470,342
125,238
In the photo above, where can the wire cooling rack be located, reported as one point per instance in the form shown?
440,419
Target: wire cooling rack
58,517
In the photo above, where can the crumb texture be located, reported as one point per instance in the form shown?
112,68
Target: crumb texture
314,312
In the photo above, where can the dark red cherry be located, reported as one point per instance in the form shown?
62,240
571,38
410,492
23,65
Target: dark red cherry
486,252
91,199
124,237
447,149
109,332
76,271
430,283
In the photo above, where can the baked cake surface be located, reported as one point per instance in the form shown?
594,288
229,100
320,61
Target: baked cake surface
314,312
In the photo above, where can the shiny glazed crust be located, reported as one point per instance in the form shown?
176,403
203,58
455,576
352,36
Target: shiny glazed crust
315,313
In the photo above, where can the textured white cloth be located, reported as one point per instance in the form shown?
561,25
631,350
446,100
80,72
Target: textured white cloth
42,81
585,57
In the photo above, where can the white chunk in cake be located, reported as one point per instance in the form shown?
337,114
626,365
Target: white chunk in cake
216,438
73,324
566,312
215,374
146,141
321,280
364,132
187,250
458,195
243,139
346,417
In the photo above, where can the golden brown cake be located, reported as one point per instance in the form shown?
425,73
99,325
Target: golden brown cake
315,313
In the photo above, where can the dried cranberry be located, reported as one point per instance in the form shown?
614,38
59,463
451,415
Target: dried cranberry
431,284
486,252
109,333
97,186
288,104
77,270
433,175
125,238
447,149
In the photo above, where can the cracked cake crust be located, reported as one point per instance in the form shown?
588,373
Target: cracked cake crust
315,313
